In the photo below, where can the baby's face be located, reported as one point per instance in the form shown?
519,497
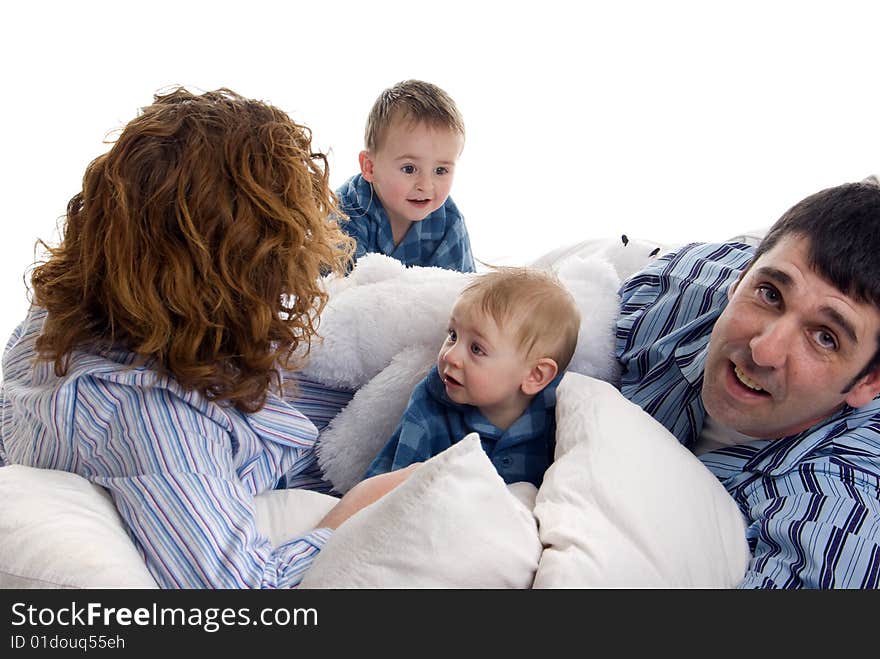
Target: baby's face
482,365
412,170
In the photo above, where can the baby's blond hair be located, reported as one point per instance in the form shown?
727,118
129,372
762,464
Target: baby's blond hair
534,304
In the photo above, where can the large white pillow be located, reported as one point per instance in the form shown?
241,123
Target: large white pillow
452,524
58,530
625,505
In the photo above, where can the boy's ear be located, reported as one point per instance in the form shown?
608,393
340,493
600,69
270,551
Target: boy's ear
366,163
865,390
541,374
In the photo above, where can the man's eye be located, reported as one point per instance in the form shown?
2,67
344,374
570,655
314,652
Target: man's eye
769,294
825,339
408,169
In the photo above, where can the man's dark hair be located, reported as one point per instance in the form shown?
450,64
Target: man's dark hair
843,227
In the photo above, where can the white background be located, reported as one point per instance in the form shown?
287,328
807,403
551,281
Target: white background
670,121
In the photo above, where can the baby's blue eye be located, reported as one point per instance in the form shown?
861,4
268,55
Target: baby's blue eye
452,335
441,171
477,350
408,169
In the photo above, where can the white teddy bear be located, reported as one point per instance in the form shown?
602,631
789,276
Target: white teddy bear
384,323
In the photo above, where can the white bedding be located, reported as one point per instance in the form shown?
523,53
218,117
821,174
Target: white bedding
623,505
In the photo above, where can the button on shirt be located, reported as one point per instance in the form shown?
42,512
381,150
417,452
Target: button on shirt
182,470
440,240
432,423
811,501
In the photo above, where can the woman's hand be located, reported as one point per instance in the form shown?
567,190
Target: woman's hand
365,493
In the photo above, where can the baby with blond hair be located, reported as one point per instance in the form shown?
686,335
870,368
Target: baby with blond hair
512,333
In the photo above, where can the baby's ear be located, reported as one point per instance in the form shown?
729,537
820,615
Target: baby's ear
540,375
366,163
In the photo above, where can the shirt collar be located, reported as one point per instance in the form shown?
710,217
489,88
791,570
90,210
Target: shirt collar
523,427
779,456
691,353
366,200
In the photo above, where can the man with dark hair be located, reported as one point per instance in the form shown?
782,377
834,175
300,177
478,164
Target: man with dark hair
766,362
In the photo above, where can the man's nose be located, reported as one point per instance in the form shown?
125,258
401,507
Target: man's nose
771,345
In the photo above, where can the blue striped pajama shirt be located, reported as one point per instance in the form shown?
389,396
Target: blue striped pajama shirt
439,240
182,471
811,501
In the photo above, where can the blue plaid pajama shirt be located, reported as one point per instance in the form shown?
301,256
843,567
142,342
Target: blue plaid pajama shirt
433,423
440,240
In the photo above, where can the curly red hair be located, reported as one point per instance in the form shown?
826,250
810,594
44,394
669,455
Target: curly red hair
197,241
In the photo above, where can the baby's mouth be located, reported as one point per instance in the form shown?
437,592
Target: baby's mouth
449,380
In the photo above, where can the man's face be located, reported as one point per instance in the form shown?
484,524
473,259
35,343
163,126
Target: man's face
783,354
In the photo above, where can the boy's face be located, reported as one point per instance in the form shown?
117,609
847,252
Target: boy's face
412,170
482,365
784,352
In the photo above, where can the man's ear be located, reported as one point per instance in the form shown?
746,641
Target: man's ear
540,375
865,390
366,163
732,288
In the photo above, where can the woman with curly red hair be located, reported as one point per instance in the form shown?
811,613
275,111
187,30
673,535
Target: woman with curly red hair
157,357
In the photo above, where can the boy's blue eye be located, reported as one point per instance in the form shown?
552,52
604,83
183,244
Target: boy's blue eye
408,169
441,170
477,350
452,335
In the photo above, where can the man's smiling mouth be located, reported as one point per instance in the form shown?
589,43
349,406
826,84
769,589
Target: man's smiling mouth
746,380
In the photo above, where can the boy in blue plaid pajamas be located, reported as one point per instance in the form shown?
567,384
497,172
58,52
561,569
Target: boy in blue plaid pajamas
512,333
399,204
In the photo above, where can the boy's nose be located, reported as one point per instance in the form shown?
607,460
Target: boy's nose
423,182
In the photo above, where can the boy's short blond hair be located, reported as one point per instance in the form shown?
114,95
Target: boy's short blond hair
415,101
533,304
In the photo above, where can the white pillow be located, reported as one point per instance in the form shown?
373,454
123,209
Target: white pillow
58,530
625,505
752,237
452,524
285,514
